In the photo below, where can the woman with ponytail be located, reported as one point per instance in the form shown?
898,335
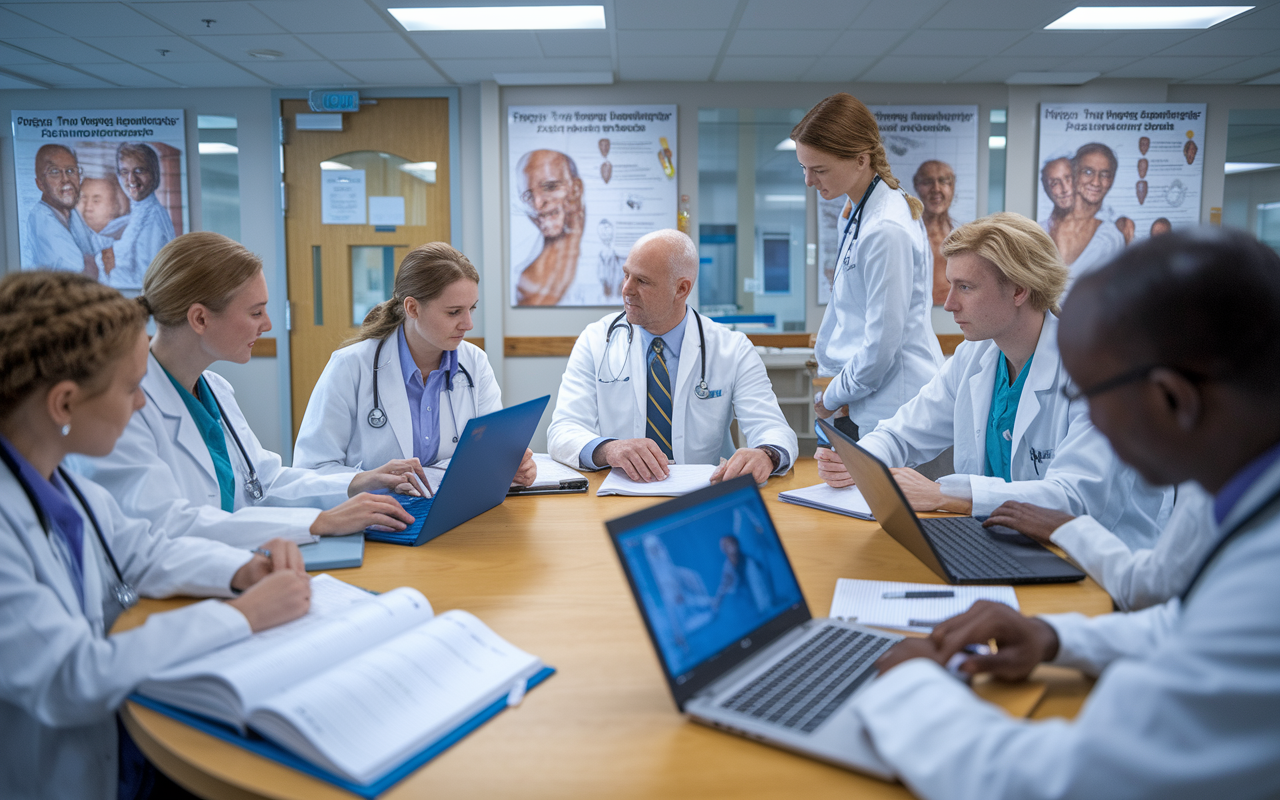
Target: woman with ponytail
427,384
188,460
876,342
73,353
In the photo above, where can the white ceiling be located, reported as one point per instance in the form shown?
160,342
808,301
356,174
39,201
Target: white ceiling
331,43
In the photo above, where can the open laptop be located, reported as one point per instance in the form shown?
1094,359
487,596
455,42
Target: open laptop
958,549
487,457
733,633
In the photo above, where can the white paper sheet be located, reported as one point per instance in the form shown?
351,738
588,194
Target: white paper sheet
683,479
342,197
552,472
848,501
863,602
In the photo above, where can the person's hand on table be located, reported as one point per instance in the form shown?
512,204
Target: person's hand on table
907,649
1021,642
360,512
641,459
394,475
528,472
277,555
276,586
926,495
745,461
1031,520
831,468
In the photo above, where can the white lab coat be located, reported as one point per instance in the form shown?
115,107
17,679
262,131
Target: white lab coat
1137,579
161,470
587,407
149,229
1186,706
876,339
336,436
1060,460
61,677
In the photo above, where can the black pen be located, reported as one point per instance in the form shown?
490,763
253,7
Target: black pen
917,595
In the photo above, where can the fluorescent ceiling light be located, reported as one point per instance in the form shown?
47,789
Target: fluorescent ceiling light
218,149
422,170
1143,18
784,198
501,18
786,144
1050,78
1233,167
327,165
996,142
552,78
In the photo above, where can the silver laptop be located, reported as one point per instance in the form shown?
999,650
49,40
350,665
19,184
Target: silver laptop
733,633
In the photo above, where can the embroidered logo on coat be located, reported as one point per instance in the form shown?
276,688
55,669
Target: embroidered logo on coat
1039,457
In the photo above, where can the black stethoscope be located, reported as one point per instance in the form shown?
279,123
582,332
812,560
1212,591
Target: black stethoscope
123,593
855,219
378,417
620,322
252,486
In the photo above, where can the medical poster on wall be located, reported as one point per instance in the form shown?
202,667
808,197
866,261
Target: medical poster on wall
1112,173
933,151
585,183
99,191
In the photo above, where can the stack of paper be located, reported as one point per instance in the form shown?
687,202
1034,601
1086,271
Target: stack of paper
682,479
553,474
864,602
847,501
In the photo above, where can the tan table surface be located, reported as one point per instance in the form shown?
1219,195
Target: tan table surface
542,573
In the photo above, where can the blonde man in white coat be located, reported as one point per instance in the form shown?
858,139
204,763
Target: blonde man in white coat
72,353
659,382
1001,402
427,382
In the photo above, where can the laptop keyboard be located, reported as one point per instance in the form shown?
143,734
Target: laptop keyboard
803,689
969,554
418,508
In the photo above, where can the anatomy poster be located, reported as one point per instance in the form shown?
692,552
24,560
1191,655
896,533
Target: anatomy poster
933,151
1111,173
585,183
99,192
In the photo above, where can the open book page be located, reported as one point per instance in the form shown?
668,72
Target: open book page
343,620
682,479
365,716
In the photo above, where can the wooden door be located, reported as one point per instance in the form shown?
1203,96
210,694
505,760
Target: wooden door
337,272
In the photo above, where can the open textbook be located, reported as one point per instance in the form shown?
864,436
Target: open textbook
357,686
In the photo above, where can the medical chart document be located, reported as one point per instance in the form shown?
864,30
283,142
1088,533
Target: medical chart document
865,602
358,685
681,479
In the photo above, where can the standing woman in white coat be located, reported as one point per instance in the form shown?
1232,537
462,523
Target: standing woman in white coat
188,460
876,341
72,355
407,385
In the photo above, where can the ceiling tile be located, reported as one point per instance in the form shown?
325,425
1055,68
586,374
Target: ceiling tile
229,18
58,76
301,73
1066,44
237,48
478,44
16,27
1268,17
328,16
680,14
1018,15
10,82
146,49
216,73
1245,70
1172,67
760,68
864,43
897,15
397,72
781,43
998,70
1231,43
90,19
129,75
918,69
472,70
359,46
800,14
671,68
1103,64
1135,45
12,55
65,50
575,43
687,44
836,68
943,43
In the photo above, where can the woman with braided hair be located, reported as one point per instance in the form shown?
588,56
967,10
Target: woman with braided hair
188,460
72,355
876,342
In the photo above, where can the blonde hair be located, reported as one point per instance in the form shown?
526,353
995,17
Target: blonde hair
57,326
1021,251
843,127
426,271
200,267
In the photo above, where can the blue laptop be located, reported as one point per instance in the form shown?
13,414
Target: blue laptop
481,470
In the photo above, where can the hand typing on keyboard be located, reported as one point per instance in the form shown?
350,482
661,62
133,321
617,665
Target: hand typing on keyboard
1021,642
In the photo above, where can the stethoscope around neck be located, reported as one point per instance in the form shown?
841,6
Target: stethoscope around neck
855,219
378,418
123,593
620,323
252,486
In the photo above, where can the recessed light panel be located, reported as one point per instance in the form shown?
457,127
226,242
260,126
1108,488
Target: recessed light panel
501,18
1143,18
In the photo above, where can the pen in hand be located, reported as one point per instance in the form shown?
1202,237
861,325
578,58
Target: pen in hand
917,595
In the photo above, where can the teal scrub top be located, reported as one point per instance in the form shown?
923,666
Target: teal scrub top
1004,410
209,422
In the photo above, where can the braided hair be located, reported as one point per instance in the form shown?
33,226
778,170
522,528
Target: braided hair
57,326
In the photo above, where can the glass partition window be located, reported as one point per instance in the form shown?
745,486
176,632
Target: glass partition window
997,142
219,175
751,212
387,175
1251,191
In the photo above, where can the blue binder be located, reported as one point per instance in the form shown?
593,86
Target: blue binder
268,749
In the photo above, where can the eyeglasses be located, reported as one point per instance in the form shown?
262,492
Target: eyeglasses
53,173
1104,174
1074,393
137,172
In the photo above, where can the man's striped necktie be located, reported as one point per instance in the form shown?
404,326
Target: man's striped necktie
658,406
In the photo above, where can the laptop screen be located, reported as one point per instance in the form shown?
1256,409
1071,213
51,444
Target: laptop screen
708,574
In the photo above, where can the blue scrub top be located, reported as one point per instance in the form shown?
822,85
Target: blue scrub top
1004,410
209,422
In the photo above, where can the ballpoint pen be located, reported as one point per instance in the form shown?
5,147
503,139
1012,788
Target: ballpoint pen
917,595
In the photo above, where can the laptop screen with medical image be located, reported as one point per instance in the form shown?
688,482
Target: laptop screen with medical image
708,572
